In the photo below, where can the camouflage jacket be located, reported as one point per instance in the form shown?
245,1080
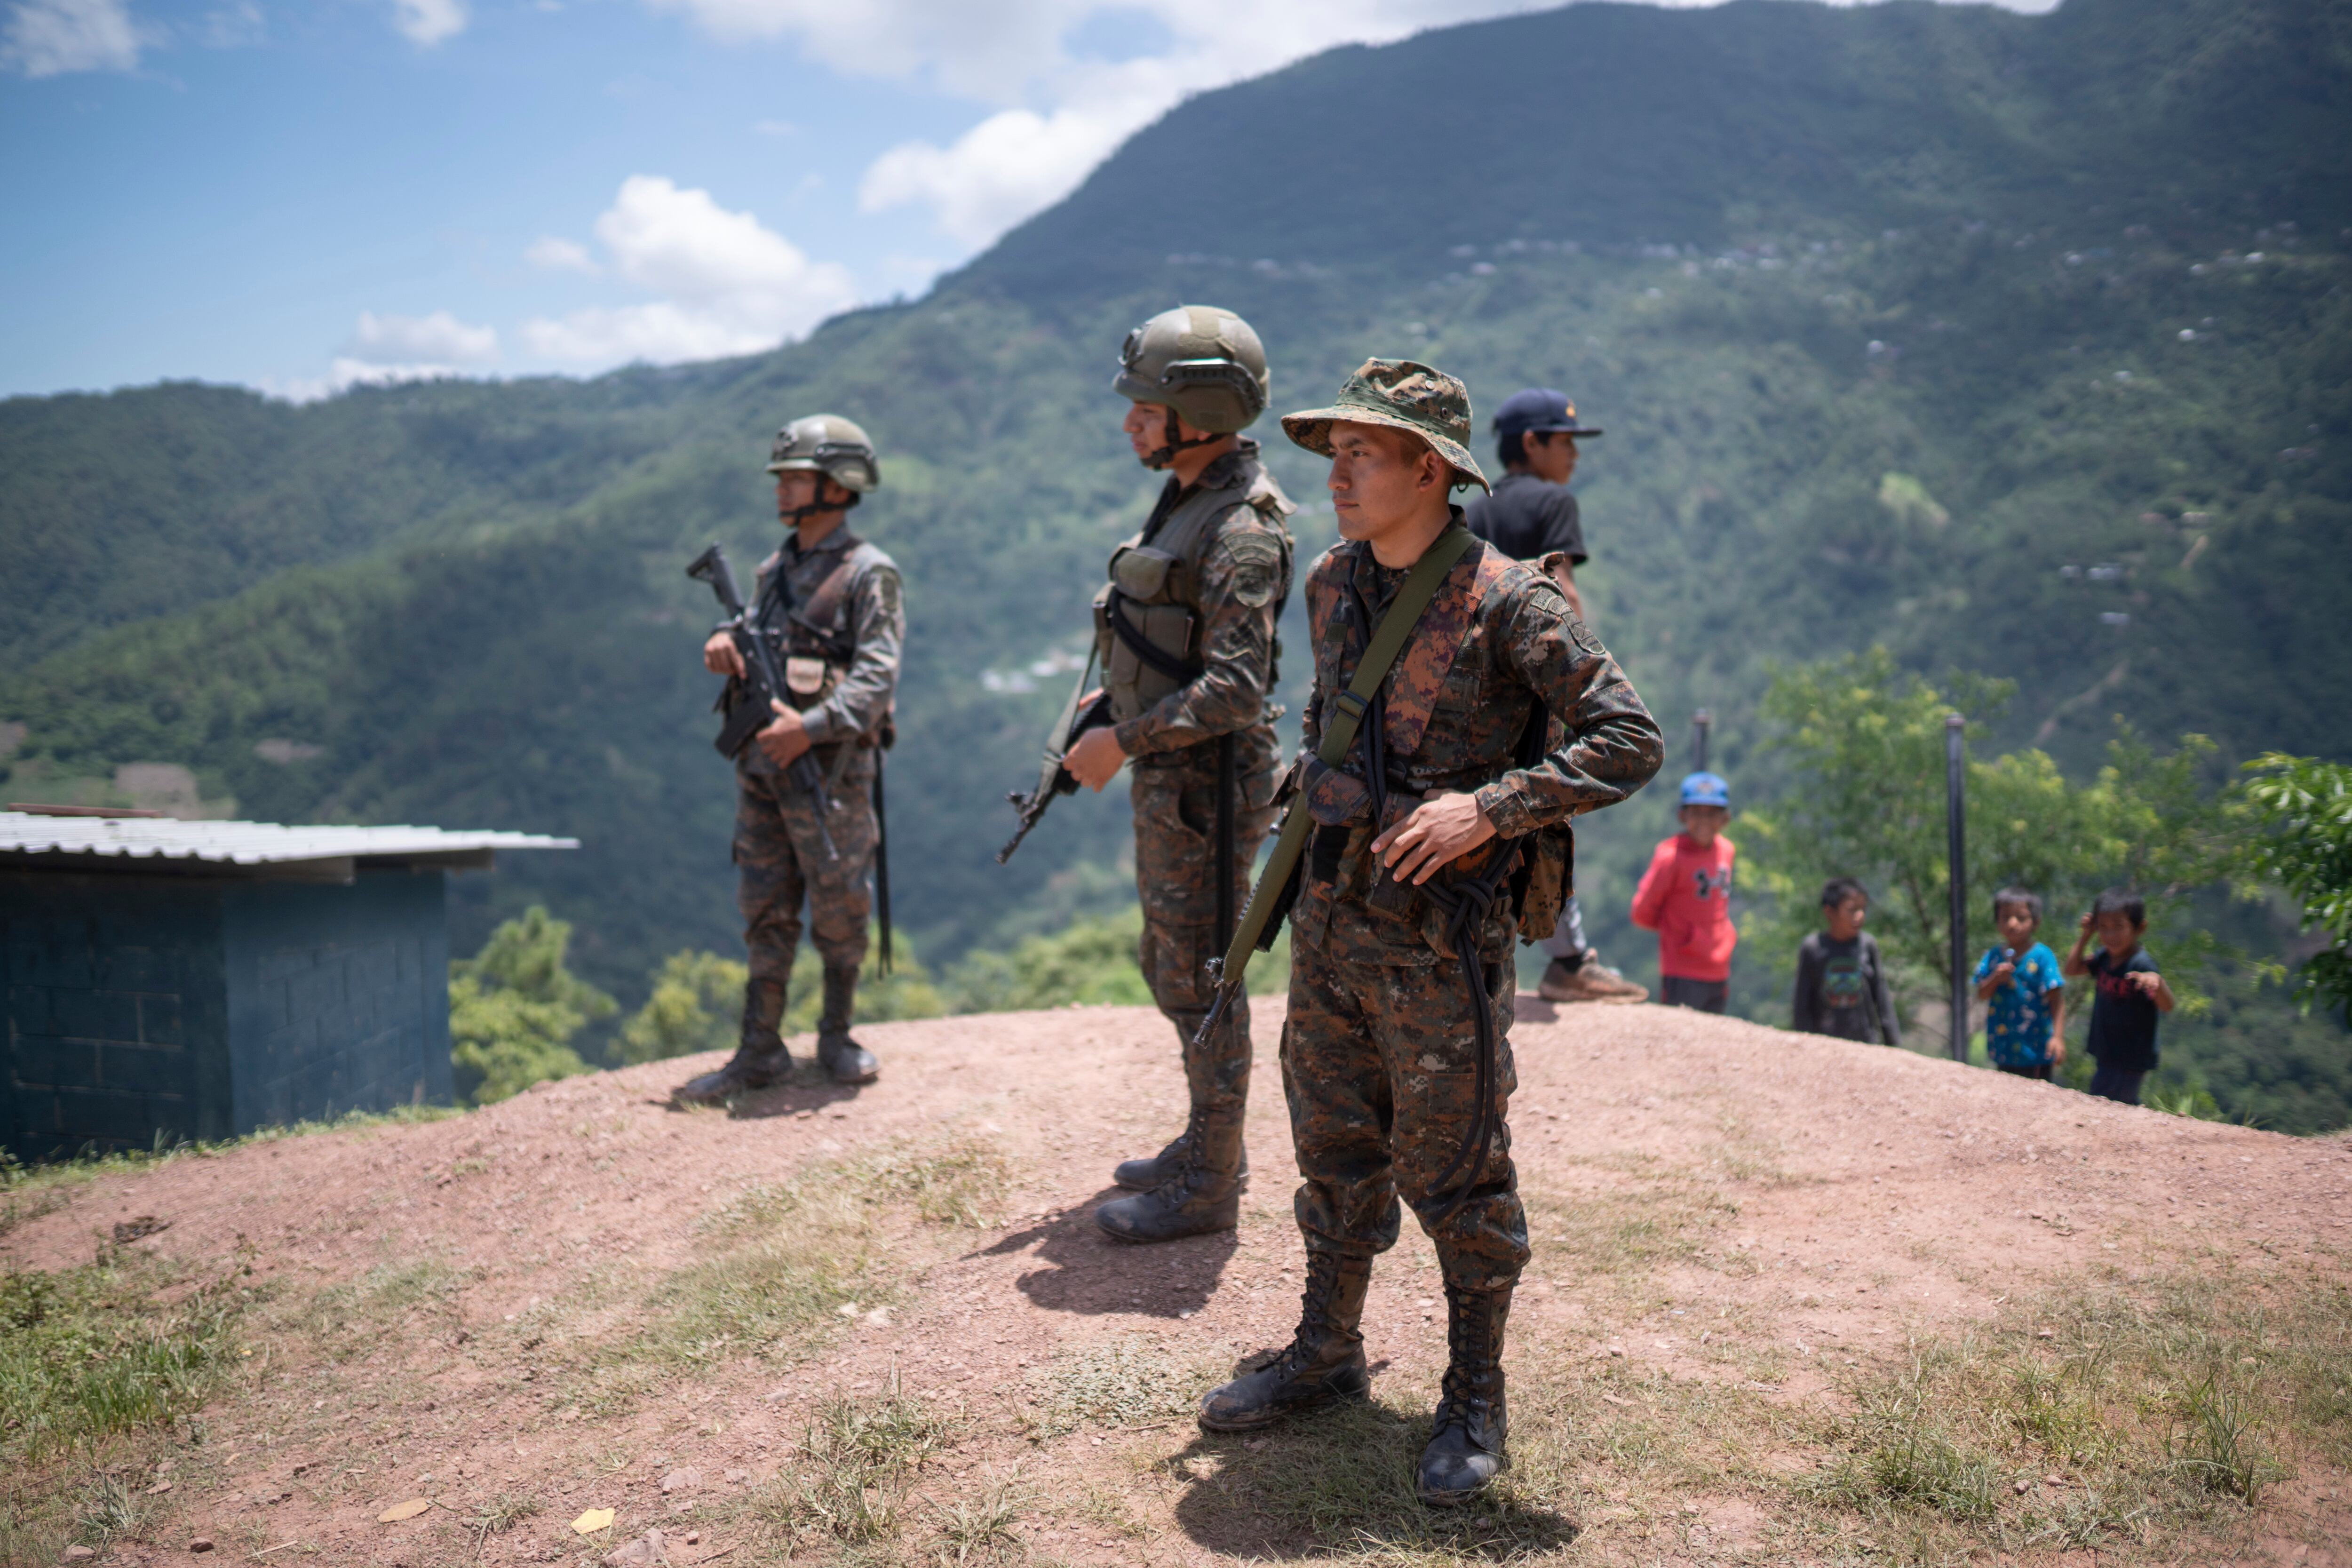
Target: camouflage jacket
1240,576
1497,636
858,635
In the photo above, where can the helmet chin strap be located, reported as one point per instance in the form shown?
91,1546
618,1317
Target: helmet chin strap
1162,455
793,516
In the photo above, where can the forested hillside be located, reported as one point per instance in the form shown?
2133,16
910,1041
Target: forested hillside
2015,344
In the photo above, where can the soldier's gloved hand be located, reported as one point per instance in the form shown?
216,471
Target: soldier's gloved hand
721,656
783,740
1096,759
1441,829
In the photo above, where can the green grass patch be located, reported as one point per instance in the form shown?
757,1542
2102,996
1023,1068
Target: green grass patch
848,1489
2112,1413
109,1347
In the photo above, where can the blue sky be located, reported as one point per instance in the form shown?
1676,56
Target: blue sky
299,196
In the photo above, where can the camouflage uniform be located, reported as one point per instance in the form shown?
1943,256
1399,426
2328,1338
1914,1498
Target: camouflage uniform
779,858
1379,1046
1382,1050
1239,558
1185,634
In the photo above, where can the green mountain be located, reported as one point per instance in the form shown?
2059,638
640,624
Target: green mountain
2013,344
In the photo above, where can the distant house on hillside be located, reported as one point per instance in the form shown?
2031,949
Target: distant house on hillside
197,980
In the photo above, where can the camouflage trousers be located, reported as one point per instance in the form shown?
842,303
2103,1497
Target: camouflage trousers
780,864
1380,1066
1176,877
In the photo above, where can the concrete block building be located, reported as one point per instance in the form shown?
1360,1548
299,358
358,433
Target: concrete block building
197,980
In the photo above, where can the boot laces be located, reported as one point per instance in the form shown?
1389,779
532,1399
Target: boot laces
1314,1314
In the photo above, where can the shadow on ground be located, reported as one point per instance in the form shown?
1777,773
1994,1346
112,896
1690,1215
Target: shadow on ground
1082,1270
1342,1479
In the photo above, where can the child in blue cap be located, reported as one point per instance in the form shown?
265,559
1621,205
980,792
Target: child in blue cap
1686,898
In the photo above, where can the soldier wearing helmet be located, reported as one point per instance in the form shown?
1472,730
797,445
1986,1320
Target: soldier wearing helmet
831,602
1186,636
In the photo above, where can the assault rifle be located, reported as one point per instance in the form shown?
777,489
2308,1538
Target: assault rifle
1078,715
762,684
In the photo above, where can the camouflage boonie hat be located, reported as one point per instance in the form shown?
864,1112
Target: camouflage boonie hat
1403,394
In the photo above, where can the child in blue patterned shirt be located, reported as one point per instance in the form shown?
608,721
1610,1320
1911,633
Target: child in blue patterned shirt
2025,1016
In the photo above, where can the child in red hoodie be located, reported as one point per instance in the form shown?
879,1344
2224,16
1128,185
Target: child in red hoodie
1684,897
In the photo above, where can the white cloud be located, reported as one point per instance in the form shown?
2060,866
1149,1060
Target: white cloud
1014,163
553,255
344,372
730,285
428,22
1058,112
433,341
51,37
235,26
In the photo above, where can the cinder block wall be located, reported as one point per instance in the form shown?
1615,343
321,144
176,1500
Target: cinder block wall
201,1006
117,1009
338,997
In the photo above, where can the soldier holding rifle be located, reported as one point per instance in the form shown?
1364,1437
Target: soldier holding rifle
828,610
1462,716
1185,634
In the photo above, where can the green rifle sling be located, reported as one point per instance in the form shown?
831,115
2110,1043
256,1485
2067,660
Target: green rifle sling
1340,724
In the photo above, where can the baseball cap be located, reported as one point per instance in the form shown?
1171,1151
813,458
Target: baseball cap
1537,408
1707,789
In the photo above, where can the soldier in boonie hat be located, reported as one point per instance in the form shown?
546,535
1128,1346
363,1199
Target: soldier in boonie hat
1439,832
1400,395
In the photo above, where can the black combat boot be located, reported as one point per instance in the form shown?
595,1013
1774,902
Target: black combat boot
759,1060
1204,1195
1325,1362
1465,1439
844,1058
1143,1174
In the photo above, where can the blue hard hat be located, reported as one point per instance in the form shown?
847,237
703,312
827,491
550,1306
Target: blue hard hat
1707,789
1537,408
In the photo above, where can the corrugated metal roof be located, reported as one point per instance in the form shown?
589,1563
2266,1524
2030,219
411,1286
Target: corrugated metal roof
244,843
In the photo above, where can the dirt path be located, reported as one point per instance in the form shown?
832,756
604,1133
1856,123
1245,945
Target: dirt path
1714,1204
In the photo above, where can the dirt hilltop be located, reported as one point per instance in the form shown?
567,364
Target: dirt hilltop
588,1297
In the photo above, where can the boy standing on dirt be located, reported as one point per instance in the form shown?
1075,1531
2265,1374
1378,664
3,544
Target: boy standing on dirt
1841,980
2025,999
1686,898
2131,992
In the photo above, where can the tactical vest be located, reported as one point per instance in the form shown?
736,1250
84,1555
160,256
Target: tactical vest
1148,617
814,640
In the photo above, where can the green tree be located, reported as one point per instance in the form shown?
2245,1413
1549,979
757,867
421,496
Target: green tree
694,1004
906,992
1090,960
514,1009
2302,811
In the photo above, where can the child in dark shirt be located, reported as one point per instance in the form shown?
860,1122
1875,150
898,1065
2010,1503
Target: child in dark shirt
1841,982
2131,992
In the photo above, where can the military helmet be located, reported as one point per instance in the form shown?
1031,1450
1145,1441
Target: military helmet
1204,363
833,446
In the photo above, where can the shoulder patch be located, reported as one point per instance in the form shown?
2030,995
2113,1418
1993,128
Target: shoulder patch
1257,560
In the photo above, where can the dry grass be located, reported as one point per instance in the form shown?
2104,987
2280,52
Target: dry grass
1131,1381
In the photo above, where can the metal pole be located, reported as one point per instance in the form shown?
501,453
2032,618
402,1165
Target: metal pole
1700,722
1956,832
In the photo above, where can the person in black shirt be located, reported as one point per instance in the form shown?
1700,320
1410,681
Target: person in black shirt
2131,992
1532,515
1841,979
